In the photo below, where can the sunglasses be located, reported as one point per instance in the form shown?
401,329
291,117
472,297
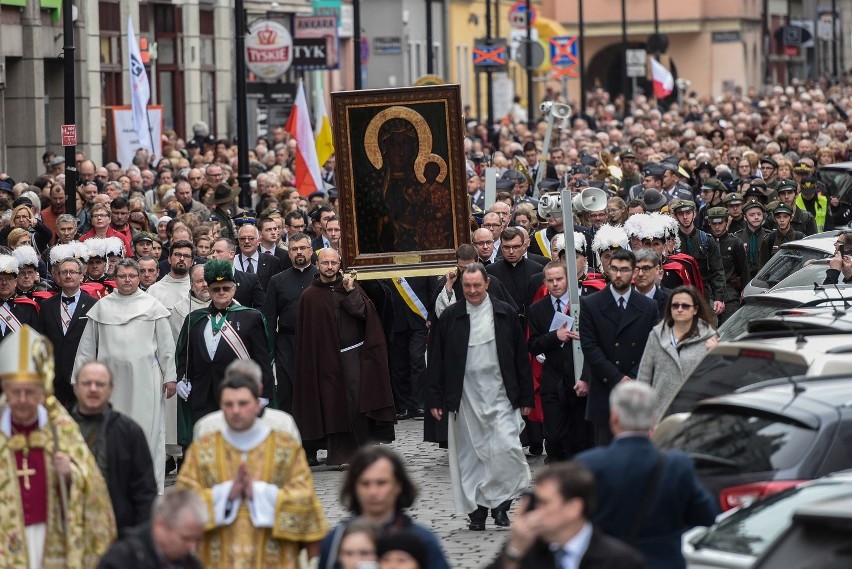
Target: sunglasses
681,306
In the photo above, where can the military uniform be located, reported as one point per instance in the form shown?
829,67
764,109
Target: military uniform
737,273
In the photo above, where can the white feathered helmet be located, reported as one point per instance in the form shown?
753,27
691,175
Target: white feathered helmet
26,256
8,265
114,246
607,238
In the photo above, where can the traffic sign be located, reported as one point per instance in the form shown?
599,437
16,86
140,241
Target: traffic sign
69,134
518,15
563,51
636,62
490,54
536,55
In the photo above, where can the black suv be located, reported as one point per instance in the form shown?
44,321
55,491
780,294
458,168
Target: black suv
768,436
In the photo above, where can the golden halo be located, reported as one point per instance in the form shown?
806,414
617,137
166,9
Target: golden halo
424,135
420,167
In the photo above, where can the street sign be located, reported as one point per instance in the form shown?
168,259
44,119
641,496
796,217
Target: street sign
563,51
490,54
636,62
537,57
518,15
69,134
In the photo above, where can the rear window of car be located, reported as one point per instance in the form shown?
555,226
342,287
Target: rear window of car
726,441
737,324
722,372
784,264
749,530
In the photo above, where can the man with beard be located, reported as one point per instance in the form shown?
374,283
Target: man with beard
282,301
342,385
614,326
174,286
210,339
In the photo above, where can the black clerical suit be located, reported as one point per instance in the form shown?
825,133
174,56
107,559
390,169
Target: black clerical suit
281,254
64,343
282,300
516,278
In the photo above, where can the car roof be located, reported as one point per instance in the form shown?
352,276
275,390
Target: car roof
796,295
820,512
793,347
821,242
802,401
823,319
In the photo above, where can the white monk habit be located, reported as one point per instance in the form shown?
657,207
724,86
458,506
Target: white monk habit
487,462
284,513
132,335
172,292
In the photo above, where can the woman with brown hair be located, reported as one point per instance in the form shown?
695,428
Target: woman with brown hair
677,344
616,211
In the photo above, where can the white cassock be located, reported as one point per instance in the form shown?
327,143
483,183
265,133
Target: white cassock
132,335
172,292
487,462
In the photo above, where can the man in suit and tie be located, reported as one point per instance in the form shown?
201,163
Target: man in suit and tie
563,396
249,292
318,218
645,496
251,261
63,319
614,326
556,529
270,233
648,270
532,155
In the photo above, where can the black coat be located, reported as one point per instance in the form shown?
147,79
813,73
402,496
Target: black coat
448,357
558,366
613,341
205,374
603,552
661,297
266,267
26,311
137,551
405,318
249,292
282,255
516,279
64,345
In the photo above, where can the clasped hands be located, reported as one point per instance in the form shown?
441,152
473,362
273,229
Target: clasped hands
243,484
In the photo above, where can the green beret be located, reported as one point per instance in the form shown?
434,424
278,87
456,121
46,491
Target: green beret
682,205
217,271
782,208
717,213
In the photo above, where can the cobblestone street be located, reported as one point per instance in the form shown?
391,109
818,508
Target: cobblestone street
428,465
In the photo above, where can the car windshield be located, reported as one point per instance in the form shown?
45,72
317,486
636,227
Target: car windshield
725,441
812,272
748,531
737,324
783,264
722,372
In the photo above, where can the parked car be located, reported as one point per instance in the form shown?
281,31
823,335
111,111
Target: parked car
733,365
738,538
761,304
790,258
820,537
768,437
812,272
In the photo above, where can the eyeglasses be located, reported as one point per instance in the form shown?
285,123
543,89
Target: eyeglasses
99,215
646,268
248,238
681,306
491,225
68,273
302,248
181,256
126,277
510,247
622,270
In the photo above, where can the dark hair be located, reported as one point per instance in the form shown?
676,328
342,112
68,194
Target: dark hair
703,310
119,203
466,252
530,146
556,265
238,381
637,203
364,458
229,243
574,480
624,255
293,215
510,233
182,244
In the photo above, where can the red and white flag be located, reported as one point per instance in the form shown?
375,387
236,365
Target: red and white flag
663,80
307,168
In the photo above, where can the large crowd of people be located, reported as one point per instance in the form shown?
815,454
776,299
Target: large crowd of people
227,344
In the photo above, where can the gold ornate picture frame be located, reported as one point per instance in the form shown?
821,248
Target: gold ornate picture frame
401,179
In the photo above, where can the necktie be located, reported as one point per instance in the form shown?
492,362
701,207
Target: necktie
250,269
67,299
562,558
621,302
558,305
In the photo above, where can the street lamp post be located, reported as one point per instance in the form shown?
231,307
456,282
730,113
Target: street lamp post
243,176
68,51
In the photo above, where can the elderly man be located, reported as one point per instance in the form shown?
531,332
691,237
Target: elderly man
177,525
118,445
342,390
41,447
249,260
479,370
256,483
149,272
629,473
213,337
183,195
129,330
15,311
249,291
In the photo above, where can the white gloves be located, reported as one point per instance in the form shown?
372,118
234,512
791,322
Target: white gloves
184,388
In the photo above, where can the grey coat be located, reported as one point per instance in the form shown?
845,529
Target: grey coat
665,367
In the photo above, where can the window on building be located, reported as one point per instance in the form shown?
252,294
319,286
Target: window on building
109,14
168,31
206,28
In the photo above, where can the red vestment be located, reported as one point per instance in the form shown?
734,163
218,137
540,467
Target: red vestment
34,498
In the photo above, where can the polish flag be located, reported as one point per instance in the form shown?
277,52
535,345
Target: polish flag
307,169
663,80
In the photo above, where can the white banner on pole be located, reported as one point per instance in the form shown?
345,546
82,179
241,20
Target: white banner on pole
128,141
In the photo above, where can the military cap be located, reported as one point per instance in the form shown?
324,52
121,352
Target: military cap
142,236
713,184
628,155
733,198
781,207
682,205
706,166
802,168
504,184
717,213
217,271
809,185
751,204
769,160
787,185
